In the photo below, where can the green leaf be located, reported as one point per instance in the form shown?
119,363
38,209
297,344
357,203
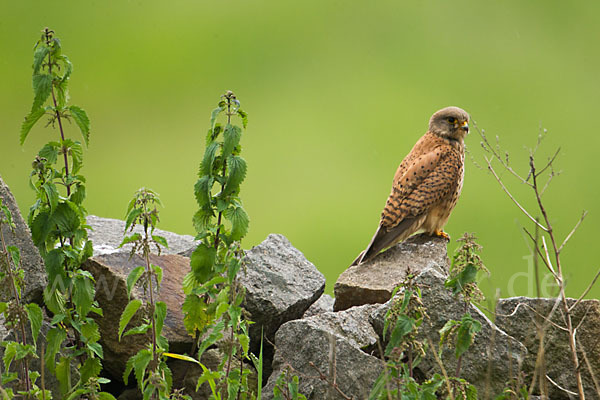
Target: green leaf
42,87
131,239
90,368
63,374
158,272
181,357
161,241
15,255
202,190
54,339
202,262
82,121
30,120
194,313
34,314
136,212
213,117
466,332
50,152
232,136
83,295
38,58
138,363
160,312
404,325
239,222
3,307
244,116
51,194
138,330
78,195
10,351
128,313
202,219
90,331
237,173
67,219
466,276
133,277
206,166
96,348
106,396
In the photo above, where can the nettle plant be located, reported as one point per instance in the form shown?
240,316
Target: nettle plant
23,320
151,371
58,225
212,307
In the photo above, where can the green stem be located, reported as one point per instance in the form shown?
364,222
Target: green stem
62,134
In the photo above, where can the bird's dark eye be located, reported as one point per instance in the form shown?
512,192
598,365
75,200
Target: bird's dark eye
451,120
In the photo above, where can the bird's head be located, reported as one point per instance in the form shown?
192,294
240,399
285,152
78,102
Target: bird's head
450,123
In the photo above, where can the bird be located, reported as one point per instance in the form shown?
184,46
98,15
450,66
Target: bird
426,186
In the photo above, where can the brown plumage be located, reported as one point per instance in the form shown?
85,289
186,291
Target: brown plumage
427,184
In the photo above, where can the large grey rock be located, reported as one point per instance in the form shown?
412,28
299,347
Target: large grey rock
280,285
107,234
374,281
331,344
520,316
35,279
492,348
110,272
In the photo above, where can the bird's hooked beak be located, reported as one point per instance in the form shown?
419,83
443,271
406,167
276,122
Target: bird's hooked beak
465,126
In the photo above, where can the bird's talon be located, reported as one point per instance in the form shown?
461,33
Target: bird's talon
442,234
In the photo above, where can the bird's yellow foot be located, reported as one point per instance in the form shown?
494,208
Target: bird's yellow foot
442,234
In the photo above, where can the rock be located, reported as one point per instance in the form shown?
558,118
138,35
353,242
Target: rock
374,281
107,234
322,305
280,285
517,317
333,343
186,374
31,262
492,347
110,272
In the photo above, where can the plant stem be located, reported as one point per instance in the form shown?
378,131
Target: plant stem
62,134
561,286
223,183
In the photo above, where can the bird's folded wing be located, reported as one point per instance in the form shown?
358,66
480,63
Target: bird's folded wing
421,185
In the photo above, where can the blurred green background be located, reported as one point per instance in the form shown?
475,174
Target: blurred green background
337,93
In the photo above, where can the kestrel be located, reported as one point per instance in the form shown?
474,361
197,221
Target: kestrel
427,184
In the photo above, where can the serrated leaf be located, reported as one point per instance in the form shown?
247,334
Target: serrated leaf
239,222
465,334
83,295
82,121
51,195
90,331
466,276
40,228
161,241
78,195
30,121
128,313
54,339
202,219
206,166
42,87
236,166
202,190
158,272
138,330
232,136
34,314
133,277
160,312
67,219
63,374
404,325
90,368
10,351
50,152
139,362
202,262
15,255
38,58
96,348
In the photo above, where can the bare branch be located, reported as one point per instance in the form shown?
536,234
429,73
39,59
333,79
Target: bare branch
586,291
542,227
583,215
537,249
549,164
